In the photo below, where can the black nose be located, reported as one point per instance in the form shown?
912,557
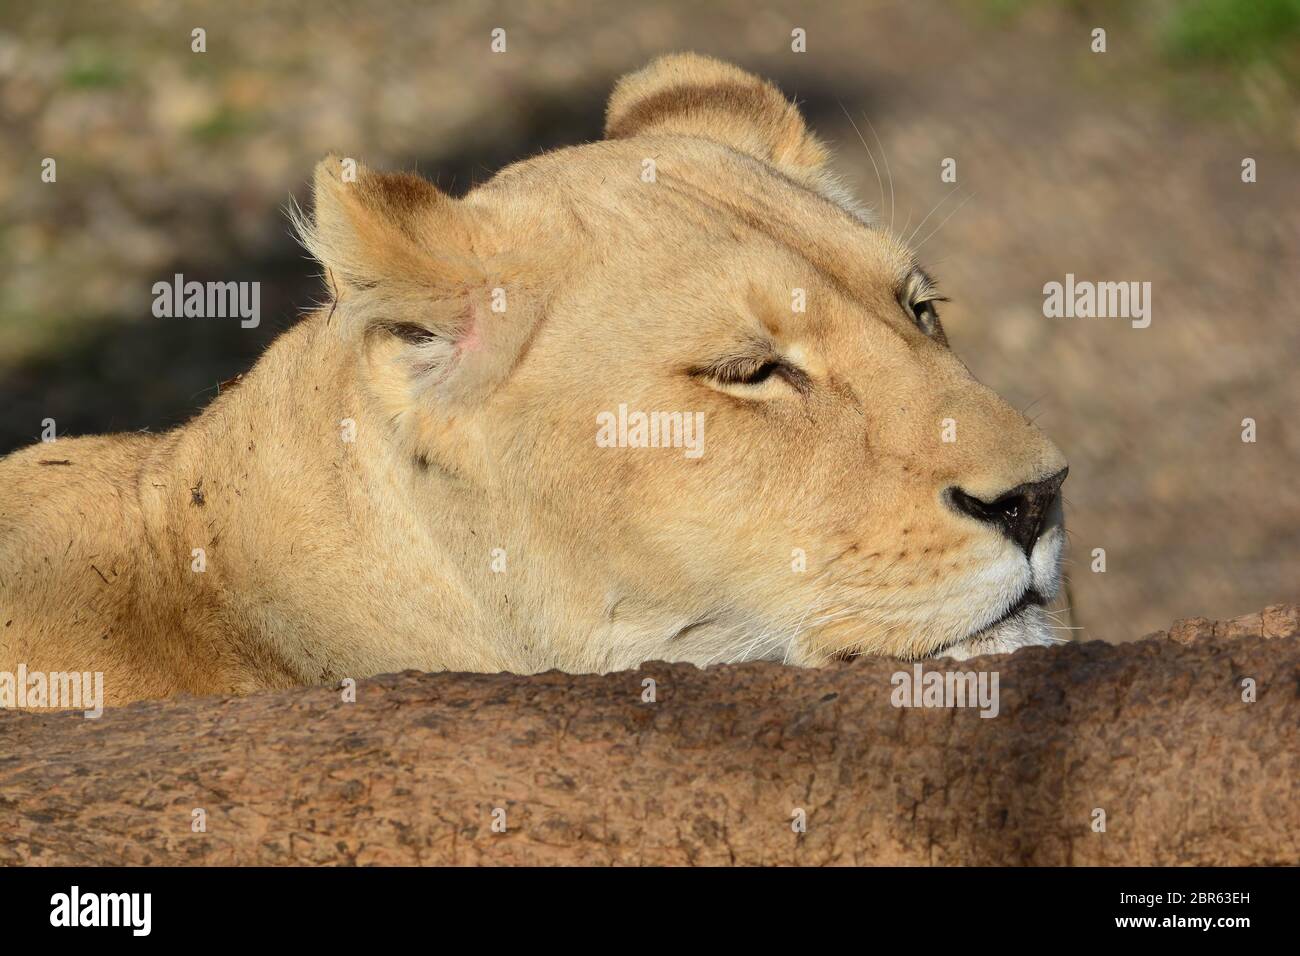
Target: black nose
1021,513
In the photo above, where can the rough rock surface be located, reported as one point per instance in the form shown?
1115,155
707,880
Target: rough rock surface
1155,733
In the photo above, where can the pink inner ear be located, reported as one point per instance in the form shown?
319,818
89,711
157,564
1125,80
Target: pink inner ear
471,337
471,340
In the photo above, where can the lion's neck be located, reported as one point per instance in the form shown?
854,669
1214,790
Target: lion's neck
297,530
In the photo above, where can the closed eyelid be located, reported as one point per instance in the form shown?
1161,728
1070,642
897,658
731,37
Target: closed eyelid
753,353
733,369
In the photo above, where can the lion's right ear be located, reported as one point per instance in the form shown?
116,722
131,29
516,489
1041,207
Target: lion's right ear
686,94
370,228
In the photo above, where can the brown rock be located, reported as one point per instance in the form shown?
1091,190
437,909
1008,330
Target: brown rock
1281,620
1155,733
1276,620
1190,629
1248,625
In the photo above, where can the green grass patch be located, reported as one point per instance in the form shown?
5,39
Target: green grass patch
92,67
1238,32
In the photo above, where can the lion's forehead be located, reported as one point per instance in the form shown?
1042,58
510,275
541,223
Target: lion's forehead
672,194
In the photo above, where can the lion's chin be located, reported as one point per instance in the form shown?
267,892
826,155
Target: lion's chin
1026,628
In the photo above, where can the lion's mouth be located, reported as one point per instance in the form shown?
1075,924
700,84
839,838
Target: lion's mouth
1023,624
1031,598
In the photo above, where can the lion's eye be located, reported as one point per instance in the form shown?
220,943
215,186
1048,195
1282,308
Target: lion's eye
927,317
752,376
749,372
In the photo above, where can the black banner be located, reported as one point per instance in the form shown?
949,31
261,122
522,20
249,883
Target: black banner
328,905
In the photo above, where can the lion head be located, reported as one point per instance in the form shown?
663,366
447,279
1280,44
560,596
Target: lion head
674,395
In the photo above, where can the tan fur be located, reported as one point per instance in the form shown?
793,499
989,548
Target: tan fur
475,431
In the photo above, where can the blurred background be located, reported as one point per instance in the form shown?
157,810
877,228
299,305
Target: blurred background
1122,166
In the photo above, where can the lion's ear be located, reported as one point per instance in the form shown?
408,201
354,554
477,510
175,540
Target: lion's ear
369,228
400,258
691,95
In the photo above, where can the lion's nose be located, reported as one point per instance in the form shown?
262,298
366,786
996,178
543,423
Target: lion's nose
1021,513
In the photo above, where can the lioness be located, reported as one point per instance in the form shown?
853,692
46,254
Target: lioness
453,465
